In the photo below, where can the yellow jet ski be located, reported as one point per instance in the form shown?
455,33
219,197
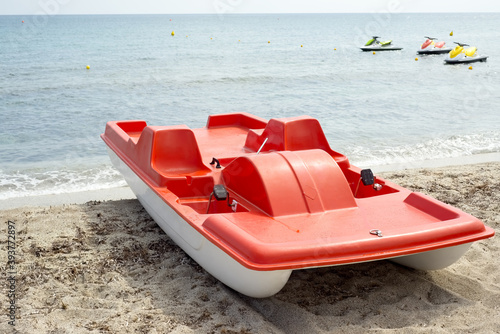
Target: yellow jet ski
461,55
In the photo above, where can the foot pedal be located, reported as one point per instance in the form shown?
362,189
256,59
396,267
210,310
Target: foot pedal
367,177
220,192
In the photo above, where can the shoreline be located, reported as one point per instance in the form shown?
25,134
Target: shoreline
79,197
124,192
439,163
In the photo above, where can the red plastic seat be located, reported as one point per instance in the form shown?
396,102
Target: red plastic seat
175,152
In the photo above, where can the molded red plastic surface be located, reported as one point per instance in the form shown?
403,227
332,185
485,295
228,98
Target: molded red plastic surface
439,44
299,203
426,43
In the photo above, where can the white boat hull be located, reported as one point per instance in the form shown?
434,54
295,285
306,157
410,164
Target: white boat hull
433,260
434,51
253,283
380,48
465,59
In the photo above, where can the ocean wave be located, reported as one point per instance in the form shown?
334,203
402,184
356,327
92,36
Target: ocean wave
436,148
36,182
310,75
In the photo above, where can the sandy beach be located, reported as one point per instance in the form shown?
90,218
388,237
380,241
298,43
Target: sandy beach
106,267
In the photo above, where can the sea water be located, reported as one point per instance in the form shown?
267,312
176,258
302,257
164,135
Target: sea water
378,109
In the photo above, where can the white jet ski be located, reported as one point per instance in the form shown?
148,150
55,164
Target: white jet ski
431,47
375,45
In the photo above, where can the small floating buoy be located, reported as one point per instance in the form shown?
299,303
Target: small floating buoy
373,52
334,49
22,21
268,42
88,67
210,37
451,33
170,19
470,67
301,45
416,59
173,33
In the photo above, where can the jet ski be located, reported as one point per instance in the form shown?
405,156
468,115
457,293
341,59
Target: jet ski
375,45
431,47
460,55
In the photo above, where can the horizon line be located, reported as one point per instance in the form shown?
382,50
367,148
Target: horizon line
254,13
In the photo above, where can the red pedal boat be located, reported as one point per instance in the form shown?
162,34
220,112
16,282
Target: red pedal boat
251,200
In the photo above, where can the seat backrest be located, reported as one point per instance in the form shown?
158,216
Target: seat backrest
175,152
305,134
289,134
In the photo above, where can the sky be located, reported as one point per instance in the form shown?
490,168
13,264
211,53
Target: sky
56,7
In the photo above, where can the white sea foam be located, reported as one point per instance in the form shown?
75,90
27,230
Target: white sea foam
436,148
47,182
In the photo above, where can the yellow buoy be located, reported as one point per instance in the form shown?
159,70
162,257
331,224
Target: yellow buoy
334,49
210,37
301,45
373,52
470,67
416,59
268,42
451,33
88,67
173,33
